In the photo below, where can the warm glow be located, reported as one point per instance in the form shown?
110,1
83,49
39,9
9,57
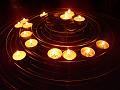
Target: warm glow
79,18
31,43
71,13
18,25
27,25
87,52
26,34
19,55
23,21
54,53
67,15
43,14
102,44
69,54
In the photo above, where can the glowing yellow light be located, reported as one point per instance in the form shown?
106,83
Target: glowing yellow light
43,14
19,55
69,54
27,25
71,13
102,44
67,15
54,53
31,43
79,18
26,34
87,52
18,25
23,21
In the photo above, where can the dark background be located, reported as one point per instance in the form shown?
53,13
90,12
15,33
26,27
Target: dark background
13,9
21,8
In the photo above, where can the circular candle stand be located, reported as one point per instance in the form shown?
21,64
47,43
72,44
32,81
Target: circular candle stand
52,32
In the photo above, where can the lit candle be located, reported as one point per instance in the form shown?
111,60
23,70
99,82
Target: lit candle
31,43
79,18
54,53
19,55
71,13
18,25
67,15
87,52
24,21
69,54
43,14
27,25
26,34
102,44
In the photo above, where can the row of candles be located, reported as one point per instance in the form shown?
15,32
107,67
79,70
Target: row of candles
68,54
66,16
70,14
19,55
23,24
56,53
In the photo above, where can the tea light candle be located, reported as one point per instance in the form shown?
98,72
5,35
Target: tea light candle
69,54
19,55
79,18
18,25
54,53
43,14
67,15
87,52
26,34
27,25
24,21
31,43
102,44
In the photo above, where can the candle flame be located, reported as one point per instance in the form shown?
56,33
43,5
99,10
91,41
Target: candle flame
18,22
79,16
30,41
68,51
17,52
87,50
68,11
26,23
25,32
43,14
